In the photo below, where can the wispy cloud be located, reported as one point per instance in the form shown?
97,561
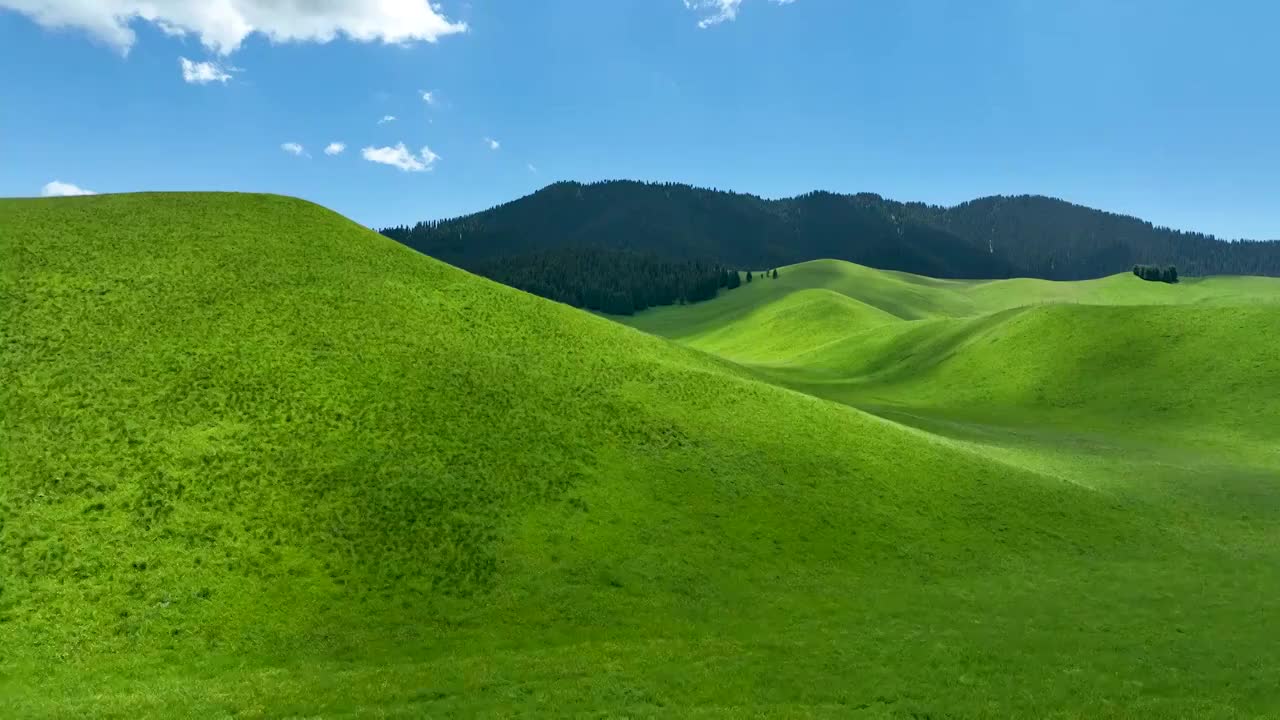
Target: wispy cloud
717,11
334,148
293,148
493,144
57,188
532,168
201,73
400,157
223,25
428,97
386,119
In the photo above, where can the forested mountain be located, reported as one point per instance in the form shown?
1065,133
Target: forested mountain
991,237
618,282
1049,238
682,222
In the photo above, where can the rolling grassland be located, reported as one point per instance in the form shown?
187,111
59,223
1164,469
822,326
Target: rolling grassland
259,461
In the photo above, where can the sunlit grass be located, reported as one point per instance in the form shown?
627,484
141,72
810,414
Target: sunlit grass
260,461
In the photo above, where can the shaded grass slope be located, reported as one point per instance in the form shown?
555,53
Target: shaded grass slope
261,461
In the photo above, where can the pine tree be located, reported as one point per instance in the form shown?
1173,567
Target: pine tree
748,276
775,273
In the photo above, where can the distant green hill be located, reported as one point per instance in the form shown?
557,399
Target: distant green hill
260,461
913,297
1163,395
993,237
1202,354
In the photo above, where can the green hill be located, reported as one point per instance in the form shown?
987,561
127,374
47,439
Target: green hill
1198,357
260,461
1160,394
743,333
1197,370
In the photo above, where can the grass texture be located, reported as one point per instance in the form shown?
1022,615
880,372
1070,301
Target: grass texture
259,461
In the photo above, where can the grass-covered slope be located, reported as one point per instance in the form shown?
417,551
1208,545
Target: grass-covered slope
766,333
756,315
1196,370
1159,395
1126,289
259,461
1201,357
901,295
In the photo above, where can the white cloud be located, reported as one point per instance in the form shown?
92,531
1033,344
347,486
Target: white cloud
293,148
386,119
718,11
201,73
222,25
532,168
334,148
57,188
493,144
400,157
428,97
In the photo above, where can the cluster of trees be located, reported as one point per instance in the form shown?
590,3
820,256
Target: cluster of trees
1157,273
767,273
618,282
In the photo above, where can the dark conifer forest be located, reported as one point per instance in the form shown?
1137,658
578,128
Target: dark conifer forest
619,282
597,245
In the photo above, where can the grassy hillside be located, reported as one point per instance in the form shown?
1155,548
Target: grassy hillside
1198,358
1161,395
883,294
914,297
1125,289
1197,370
260,461
765,333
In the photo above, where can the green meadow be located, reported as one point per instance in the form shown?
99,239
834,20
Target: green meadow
259,461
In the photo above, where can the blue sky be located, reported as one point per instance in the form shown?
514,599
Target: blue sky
1169,110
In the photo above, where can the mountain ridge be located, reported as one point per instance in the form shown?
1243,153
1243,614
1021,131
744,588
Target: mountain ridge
989,237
